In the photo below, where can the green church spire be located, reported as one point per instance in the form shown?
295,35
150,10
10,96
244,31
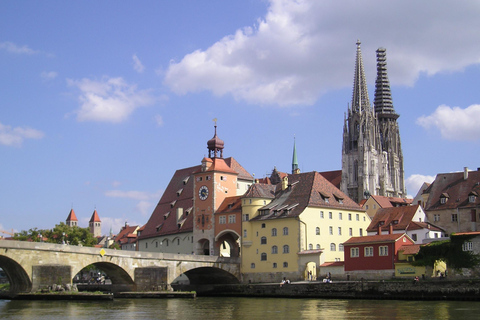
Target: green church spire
294,160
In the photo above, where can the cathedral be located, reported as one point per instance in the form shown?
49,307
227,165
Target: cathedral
372,160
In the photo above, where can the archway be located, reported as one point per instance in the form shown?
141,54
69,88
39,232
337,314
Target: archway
311,271
210,275
227,244
104,276
203,247
16,275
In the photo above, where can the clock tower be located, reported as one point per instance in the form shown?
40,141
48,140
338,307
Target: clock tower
212,184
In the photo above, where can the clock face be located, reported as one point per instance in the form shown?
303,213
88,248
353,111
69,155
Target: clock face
203,192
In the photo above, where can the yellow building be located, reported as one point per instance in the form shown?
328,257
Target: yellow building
291,228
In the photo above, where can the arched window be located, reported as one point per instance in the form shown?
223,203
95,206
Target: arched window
285,231
286,249
333,247
263,240
310,246
318,246
263,256
285,264
252,265
274,265
274,250
274,232
317,231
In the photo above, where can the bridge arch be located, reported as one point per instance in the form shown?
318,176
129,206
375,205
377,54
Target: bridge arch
119,277
210,275
16,274
227,239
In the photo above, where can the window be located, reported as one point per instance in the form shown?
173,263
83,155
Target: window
263,256
321,214
310,246
436,217
252,265
286,249
156,244
317,231
340,216
285,264
357,217
414,236
263,225
274,232
467,246
330,215
383,250
471,198
350,231
360,232
274,265
285,231
350,217
274,250
340,247
232,218
263,240
333,247
318,246
443,200
339,231
454,217
222,219
354,253
367,206
245,233
330,230
368,251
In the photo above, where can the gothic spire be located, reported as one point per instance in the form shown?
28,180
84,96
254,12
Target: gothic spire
360,99
383,96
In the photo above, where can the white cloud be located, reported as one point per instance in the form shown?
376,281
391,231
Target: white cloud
15,136
159,120
48,75
146,200
13,48
415,181
301,49
454,123
137,64
109,100
115,224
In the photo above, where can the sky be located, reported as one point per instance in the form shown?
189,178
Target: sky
101,101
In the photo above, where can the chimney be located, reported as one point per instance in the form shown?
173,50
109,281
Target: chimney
390,229
465,173
379,232
179,214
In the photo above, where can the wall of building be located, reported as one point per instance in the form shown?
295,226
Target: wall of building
176,243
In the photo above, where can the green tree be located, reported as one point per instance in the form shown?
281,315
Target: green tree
62,233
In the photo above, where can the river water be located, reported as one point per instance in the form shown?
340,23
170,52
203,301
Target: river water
239,308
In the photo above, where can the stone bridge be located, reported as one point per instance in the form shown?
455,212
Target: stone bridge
31,266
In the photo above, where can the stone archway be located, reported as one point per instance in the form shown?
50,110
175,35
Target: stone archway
121,280
17,276
227,244
203,247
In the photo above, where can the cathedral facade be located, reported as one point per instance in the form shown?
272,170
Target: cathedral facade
372,160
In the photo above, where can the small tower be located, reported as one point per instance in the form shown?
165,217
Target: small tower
72,220
95,224
215,145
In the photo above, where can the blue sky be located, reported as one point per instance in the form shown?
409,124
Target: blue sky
101,101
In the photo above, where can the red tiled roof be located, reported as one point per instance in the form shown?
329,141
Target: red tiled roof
314,251
471,233
72,216
333,264
242,173
375,239
411,249
260,190
399,217
387,202
308,189
335,177
230,204
95,217
457,188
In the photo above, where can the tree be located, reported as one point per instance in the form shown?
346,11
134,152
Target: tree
62,233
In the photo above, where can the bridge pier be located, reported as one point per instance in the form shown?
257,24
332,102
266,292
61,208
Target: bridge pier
151,279
44,276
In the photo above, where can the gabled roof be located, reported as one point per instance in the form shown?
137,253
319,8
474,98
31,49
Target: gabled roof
335,177
95,217
456,187
230,204
387,202
398,217
260,190
304,190
416,225
126,232
376,239
72,216
409,250
242,173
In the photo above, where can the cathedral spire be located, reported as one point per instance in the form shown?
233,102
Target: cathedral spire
383,96
360,100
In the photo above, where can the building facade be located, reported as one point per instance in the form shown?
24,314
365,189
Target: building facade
372,159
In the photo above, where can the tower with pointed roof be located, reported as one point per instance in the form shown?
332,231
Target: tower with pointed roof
72,220
295,168
95,224
372,160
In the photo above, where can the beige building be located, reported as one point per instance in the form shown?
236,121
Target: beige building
292,228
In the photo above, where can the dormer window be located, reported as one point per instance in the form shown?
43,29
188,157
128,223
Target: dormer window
339,199
172,204
472,197
443,198
179,192
325,197
186,180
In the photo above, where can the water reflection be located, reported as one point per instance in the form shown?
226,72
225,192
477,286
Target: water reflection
240,308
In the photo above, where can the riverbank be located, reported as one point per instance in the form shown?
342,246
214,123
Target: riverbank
465,290
85,296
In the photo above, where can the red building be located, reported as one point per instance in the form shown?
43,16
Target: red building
374,256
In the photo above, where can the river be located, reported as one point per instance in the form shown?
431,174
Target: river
239,308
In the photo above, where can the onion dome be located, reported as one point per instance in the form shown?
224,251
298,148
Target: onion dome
215,145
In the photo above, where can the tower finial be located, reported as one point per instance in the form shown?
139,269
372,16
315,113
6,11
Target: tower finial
294,159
